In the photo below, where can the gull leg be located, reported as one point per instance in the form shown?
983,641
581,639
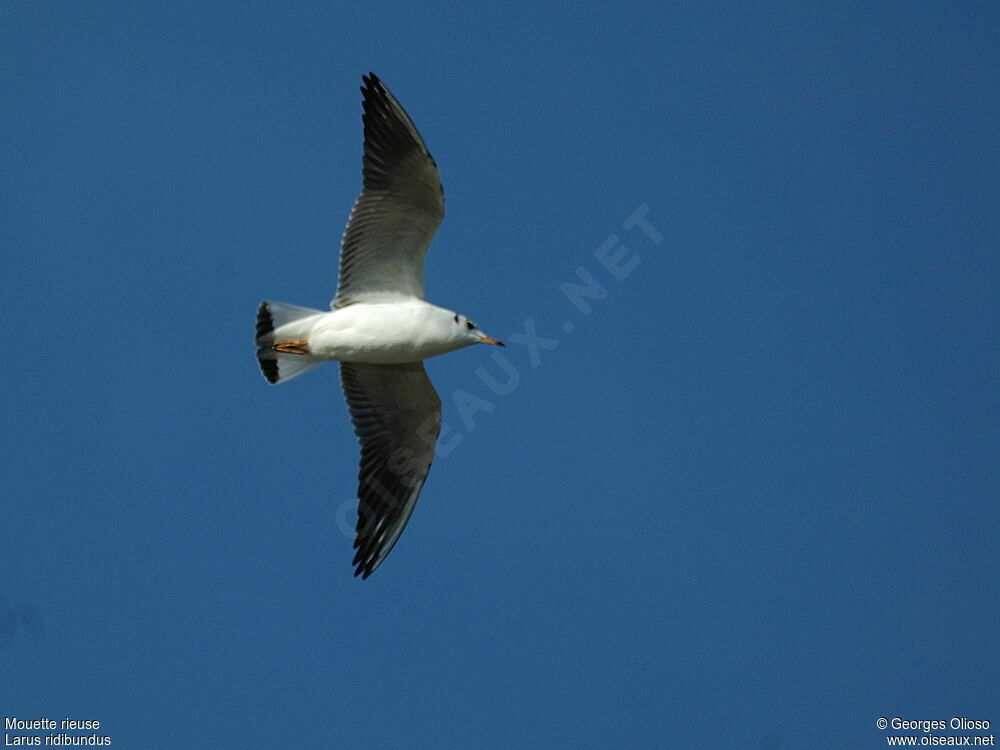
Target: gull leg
292,346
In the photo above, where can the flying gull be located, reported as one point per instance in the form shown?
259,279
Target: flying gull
379,326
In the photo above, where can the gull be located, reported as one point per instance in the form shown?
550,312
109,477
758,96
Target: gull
379,327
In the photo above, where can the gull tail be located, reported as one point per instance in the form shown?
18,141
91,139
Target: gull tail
276,321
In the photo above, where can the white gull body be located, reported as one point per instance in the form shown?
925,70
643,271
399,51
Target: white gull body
380,328
410,330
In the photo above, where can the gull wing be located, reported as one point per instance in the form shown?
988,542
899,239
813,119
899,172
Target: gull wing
400,207
397,417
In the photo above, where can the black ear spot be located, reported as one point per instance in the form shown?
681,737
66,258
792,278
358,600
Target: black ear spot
456,317
470,325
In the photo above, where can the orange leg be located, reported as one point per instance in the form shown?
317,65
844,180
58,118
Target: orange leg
292,346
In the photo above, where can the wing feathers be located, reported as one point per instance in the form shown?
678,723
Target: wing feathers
400,207
397,417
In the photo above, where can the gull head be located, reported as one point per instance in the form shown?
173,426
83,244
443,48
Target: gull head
469,333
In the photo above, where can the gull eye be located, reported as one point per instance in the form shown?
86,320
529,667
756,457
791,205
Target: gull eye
470,325
456,317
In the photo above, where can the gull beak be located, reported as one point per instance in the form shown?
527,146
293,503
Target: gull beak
488,340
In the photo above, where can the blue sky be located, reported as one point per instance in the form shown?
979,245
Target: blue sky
746,500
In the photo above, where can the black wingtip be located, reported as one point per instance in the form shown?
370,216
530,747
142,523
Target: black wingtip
265,321
268,365
371,82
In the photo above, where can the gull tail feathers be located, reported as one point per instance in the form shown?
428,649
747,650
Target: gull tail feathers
276,321
279,320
